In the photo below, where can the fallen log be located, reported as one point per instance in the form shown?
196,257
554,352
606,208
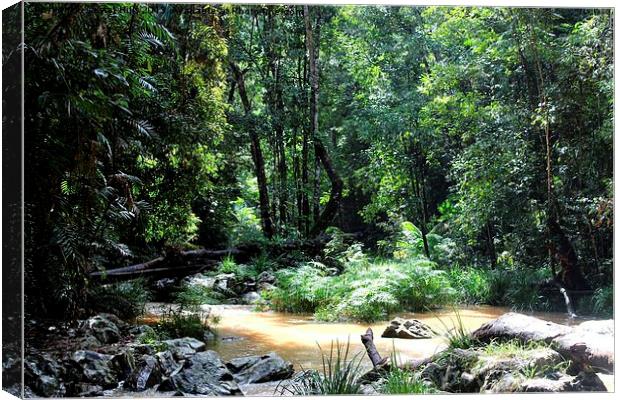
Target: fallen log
177,264
371,350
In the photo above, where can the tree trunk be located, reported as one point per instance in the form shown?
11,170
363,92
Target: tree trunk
257,156
331,208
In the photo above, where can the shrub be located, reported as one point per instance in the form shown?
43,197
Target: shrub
604,301
195,295
471,285
363,292
176,323
127,300
338,376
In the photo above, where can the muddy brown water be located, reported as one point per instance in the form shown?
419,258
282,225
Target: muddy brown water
297,337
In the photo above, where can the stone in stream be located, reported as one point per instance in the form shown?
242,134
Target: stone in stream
407,329
251,298
258,369
583,382
203,373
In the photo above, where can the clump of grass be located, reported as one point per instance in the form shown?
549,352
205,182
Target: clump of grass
401,381
457,336
338,376
513,348
472,285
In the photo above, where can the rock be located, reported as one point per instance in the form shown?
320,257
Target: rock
184,347
519,326
87,390
104,327
209,336
224,282
147,374
251,298
168,364
584,382
499,381
603,327
42,373
201,280
94,368
407,329
88,342
269,367
204,373
266,277
123,363
587,348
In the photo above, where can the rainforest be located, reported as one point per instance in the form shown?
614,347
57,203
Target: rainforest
224,199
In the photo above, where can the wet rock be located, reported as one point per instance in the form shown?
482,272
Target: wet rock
519,326
224,282
204,373
147,374
407,329
104,327
42,374
251,298
257,369
93,367
209,336
184,347
499,381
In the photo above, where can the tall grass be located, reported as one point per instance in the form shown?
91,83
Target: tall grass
457,336
400,381
339,375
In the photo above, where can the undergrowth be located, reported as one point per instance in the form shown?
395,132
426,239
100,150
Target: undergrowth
364,291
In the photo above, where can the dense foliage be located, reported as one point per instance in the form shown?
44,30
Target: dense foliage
469,149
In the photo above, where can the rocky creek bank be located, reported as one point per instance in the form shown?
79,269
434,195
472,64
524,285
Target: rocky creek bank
105,356
519,353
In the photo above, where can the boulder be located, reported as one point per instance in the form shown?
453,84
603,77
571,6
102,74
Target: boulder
257,369
184,347
87,390
203,373
522,327
407,329
266,277
104,327
93,367
602,327
123,363
147,373
587,348
42,374
251,298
